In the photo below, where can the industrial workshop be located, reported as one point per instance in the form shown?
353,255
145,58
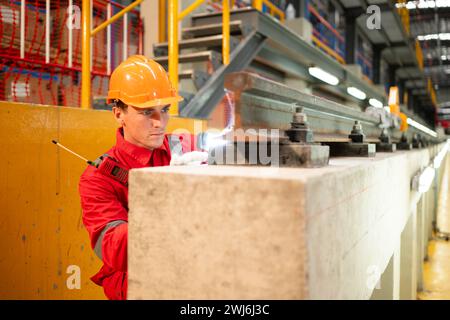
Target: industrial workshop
225,150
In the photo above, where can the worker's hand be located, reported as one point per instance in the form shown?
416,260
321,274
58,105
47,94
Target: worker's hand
189,158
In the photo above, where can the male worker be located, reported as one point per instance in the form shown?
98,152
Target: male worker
141,93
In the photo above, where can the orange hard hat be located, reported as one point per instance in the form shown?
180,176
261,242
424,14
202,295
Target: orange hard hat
142,83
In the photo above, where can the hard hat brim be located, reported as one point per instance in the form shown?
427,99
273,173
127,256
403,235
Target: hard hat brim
151,103
157,102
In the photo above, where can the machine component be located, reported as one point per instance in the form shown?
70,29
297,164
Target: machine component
404,144
261,103
300,150
296,149
417,141
299,131
357,135
385,144
356,148
264,103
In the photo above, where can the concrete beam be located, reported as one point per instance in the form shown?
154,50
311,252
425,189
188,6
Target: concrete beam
226,232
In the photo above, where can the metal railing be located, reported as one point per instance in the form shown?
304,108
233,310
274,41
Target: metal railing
174,18
326,37
273,9
404,15
87,33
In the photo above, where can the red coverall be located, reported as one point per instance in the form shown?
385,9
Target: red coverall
105,210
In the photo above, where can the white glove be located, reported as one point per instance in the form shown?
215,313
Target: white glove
193,158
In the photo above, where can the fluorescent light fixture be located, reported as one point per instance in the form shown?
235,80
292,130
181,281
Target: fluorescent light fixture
442,4
422,181
440,156
434,36
375,103
424,4
358,94
321,74
421,127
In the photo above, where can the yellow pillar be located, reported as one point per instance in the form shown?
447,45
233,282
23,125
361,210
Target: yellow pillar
162,21
86,55
258,4
173,49
226,32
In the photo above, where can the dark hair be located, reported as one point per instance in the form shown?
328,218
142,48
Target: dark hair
120,104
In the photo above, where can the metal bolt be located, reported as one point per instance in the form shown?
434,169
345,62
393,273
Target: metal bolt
384,136
357,134
299,131
357,127
299,116
404,138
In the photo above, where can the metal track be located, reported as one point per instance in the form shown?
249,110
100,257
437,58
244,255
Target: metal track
289,52
212,92
262,103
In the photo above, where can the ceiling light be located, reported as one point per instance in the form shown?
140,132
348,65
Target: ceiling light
442,3
434,36
320,74
375,103
424,4
410,5
358,94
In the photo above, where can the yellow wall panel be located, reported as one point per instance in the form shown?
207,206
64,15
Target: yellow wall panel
41,230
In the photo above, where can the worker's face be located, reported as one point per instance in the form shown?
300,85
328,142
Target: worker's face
143,127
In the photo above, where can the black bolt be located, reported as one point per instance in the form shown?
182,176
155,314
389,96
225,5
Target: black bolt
357,134
384,137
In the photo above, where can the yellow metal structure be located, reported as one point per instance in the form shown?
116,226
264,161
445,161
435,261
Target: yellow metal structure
403,122
328,50
258,4
162,21
419,54
274,10
189,9
394,100
394,108
116,17
86,46
226,32
174,18
86,55
173,49
42,233
404,15
432,92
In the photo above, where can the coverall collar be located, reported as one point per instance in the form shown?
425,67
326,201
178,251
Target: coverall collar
141,154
